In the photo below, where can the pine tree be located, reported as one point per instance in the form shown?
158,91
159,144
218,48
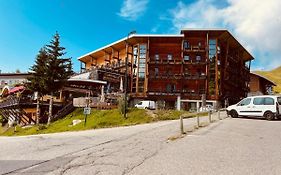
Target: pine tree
58,69
37,82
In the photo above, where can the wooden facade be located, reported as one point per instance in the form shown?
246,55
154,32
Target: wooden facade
193,63
260,85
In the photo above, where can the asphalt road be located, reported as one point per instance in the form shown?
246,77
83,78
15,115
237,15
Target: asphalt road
230,146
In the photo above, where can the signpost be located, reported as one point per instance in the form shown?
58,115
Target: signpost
87,111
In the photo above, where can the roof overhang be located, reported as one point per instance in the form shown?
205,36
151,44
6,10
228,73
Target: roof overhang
223,35
120,44
87,81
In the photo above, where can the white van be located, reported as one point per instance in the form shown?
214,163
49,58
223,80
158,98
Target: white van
146,104
268,106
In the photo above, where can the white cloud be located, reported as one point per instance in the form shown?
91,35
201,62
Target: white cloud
256,24
132,9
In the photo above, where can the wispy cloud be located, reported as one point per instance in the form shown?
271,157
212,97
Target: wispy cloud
132,9
255,23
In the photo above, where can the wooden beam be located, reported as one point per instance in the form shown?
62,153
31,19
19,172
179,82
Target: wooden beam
146,66
207,65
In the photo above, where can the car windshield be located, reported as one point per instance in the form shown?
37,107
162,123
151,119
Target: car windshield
139,103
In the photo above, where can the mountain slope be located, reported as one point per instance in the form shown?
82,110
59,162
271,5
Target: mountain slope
274,75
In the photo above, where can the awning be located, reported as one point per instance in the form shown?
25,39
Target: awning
16,89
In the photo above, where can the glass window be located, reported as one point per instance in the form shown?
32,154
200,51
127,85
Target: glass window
245,102
268,101
170,57
169,88
156,56
136,50
186,58
212,42
141,74
141,70
156,71
198,58
186,45
258,101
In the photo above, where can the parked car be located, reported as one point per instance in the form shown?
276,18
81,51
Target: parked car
146,104
207,108
267,106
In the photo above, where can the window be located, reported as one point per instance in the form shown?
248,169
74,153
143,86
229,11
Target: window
186,58
168,88
170,57
268,101
199,44
245,102
198,58
263,101
258,101
156,71
212,49
156,57
135,60
186,45
142,67
142,51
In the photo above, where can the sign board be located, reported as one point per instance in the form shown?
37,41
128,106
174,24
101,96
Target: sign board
87,110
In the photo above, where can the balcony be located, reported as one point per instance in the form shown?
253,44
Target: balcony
195,48
192,62
198,76
165,61
165,76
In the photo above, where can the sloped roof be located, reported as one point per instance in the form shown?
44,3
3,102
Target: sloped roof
264,78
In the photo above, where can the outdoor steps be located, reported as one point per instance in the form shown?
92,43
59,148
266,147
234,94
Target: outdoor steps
63,112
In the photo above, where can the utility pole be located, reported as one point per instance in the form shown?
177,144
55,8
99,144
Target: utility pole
126,74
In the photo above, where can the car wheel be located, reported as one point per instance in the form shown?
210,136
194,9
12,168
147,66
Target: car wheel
233,114
268,115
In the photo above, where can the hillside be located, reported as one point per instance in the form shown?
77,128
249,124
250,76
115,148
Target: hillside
274,75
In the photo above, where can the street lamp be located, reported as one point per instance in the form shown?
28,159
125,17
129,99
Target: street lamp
126,74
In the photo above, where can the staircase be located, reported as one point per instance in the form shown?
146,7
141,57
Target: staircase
63,112
11,110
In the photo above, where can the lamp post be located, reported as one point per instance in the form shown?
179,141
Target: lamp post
126,74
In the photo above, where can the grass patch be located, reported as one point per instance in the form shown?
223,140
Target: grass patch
275,76
99,119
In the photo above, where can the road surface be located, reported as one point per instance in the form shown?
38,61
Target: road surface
230,146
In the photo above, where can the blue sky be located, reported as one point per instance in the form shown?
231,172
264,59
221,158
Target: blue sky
27,25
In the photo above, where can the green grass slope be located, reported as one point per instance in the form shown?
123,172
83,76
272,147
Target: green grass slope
98,119
275,76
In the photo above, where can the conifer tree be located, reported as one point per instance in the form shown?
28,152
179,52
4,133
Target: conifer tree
58,69
50,72
37,81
